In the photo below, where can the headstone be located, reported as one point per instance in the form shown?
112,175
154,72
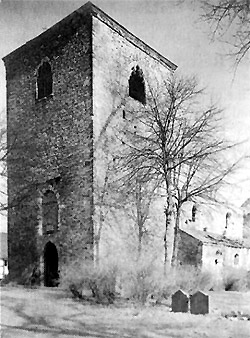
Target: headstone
180,301
199,303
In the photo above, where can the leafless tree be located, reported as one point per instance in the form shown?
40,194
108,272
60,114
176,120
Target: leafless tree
139,196
230,20
204,166
175,140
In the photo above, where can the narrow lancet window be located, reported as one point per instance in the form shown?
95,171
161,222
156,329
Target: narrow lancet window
44,80
137,85
194,210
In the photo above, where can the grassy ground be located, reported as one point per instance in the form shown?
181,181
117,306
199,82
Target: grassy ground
47,313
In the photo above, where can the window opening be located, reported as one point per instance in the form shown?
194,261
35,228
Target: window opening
228,216
50,212
44,81
137,85
194,210
236,259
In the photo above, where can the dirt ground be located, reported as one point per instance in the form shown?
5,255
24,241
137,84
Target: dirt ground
48,313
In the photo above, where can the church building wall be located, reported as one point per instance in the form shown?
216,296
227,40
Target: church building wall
217,257
114,56
50,144
218,219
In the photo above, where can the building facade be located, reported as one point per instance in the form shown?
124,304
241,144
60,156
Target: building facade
212,238
64,88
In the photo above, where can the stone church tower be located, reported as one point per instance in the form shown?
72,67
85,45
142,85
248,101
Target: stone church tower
63,89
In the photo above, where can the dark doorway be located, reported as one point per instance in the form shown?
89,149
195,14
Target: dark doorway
51,274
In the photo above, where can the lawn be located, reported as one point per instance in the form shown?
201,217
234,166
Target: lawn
47,313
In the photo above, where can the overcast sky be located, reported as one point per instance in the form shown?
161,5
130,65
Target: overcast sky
173,30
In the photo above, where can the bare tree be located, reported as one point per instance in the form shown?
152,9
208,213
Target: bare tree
175,140
230,19
204,166
137,198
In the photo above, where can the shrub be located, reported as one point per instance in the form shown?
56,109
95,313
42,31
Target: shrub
236,279
80,277
143,279
138,280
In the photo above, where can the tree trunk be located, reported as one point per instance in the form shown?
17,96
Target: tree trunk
139,216
168,231
97,250
98,238
176,237
140,234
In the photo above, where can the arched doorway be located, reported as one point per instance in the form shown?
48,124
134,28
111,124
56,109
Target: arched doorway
51,275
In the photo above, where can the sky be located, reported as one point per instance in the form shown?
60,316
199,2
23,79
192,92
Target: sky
174,29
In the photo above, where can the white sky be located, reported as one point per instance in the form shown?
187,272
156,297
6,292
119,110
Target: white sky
174,31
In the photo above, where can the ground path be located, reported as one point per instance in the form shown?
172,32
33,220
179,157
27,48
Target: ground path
49,313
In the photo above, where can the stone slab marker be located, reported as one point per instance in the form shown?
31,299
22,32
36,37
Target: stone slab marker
180,301
199,303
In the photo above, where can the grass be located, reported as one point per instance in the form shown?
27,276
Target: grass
46,313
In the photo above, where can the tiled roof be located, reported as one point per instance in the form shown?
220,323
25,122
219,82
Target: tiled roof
212,238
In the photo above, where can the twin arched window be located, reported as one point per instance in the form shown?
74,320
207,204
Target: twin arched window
44,80
137,85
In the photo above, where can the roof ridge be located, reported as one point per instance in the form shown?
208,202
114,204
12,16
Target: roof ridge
91,9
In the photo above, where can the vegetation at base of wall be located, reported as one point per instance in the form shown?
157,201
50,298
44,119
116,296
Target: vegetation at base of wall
80,278
142,281
148,280
6,281
236,279
30,277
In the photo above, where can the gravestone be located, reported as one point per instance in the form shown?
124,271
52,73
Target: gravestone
180,301
199,303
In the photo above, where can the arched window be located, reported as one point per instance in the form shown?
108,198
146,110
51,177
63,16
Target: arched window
236,259
44,80
137,85
50,212
194,210
228,216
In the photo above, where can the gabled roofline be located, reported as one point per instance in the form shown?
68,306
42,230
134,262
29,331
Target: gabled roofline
212,240
85,9
121,30
90,9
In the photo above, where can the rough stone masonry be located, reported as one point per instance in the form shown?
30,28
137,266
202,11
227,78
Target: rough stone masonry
58,102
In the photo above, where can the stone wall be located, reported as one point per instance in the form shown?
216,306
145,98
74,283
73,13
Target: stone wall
50,144
58,143
115,53
215,257
218,219
190,250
